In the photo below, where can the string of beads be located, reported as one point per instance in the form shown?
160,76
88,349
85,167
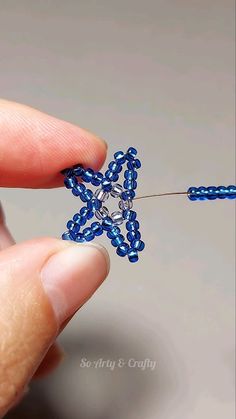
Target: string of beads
203,193
94,204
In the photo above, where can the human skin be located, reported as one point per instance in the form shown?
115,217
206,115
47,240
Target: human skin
43,282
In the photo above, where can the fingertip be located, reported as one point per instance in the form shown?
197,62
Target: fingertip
35,147
102,251
72,275
43,283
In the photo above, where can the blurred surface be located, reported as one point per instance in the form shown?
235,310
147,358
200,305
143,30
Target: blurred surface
158,75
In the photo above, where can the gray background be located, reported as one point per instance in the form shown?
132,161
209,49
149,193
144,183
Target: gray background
158,75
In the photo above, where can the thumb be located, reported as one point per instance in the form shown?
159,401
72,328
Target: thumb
42,283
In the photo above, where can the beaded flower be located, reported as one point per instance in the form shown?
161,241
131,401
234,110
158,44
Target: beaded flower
94,204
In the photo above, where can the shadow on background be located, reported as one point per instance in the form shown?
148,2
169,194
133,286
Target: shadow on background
90,393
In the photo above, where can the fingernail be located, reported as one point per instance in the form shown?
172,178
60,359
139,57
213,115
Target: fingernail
72,275
101,140
96,138
104,142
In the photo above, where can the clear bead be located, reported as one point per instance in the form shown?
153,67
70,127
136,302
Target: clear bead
117,217
102,213
101,195
116,190
123,205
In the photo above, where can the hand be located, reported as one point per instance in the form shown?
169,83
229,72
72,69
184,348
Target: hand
43,281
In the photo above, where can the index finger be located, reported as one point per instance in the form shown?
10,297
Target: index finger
35,147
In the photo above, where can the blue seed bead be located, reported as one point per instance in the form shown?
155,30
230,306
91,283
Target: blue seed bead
66,236
86,213
88,174
130,175
76,228
83,220
130,194
117,241
133,235
129,215
113,233
131,165
75,191
130,184
122,250
80,187
99,231
76,218
232,192
114,167
134,164
70,182
111,177
80,238
83,211
106,185
86,196
137,163
88,234
221,192
192,193
97,179
212,192
132,152
97,228
70,225
115,177
138,245
133,255
72,235
108,175
129,157
90,214
67,172
119,157
132,225
201,193
94,204
78,170
83,197
126,195
107,223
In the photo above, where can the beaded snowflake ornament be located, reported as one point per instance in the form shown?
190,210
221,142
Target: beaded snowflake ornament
107,186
